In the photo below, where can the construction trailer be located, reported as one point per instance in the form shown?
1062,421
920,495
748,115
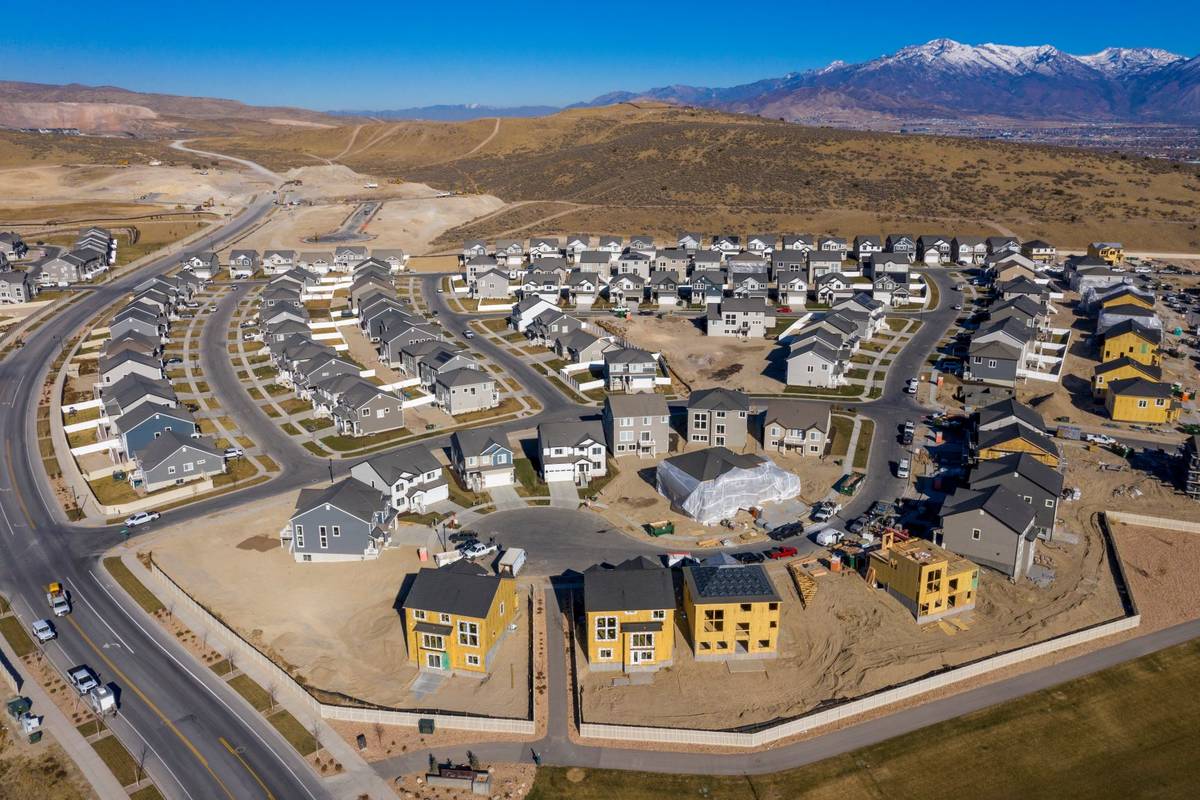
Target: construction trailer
929,581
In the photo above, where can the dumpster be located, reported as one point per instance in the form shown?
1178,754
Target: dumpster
661,528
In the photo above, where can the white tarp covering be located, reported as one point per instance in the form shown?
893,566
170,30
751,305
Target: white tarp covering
710,501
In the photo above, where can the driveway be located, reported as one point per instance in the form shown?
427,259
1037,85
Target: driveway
563,494
505,498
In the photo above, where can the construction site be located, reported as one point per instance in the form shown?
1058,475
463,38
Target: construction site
842,638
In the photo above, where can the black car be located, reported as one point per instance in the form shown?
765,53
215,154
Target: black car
786,531
463,536
906,438
172,360
749,558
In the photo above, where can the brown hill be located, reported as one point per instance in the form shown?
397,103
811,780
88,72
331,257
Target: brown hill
663,168
109,109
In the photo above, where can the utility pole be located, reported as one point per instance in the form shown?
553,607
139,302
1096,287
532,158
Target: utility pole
331,470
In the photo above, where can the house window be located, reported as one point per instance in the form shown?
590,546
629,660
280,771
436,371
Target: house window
604,654
1050,502
418,614
642,640
170,470
991,363
189,467
606,629
298,531
324,539
472,660
445,619
468,634
337,530
976,534
658,614
430,641
1142,404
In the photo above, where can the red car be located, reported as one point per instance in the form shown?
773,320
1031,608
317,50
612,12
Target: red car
782,551
784,309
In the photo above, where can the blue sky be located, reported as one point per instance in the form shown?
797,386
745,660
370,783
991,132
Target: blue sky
368,55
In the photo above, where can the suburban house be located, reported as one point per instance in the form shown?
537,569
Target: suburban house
276,262
637,424
361,408
822,262
742,263
242,263
544,285
867,246
763,244
833,244
627,290
346,256
581,347
629,614
1007,412
134,390
583,287
491,285
673,261
732,610
1132,340
793,290
664,289
542,246
473,248
993,527
128,362
456,617
411,478
550,325
171,459
206,266
466,389
742,317
901,244
347,521
579,243
833,286
527,310
789,426
968,250
706,288
718,417
933,250
509,252
16,287
482,458
1042,252
689,241
1112,253
631,262
997,245
1036,484
929,581
142,425
629,369
802,242
478,265
1015,438
572,451
1139,400
751,284
813,363
1120,369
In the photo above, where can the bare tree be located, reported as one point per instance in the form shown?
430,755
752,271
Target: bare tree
378,729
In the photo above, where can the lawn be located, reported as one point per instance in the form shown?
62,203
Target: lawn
295,733
290,429
495,325
147,793
114,755
842,427
16,636
1105,735
314,425
460,495
529,482
344,444
111,492
132,586
254,694
862,448
294,405
236,471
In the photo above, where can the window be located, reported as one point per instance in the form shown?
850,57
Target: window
431,641
658,614
991,363
1050,502
337,530
627,422
714,620
445,618
976,359
189,467
626,436
700,422
1142,404
976,534
642,640
604,653
606,629
170,470
298,531
324,539
502,609
468,634
418,614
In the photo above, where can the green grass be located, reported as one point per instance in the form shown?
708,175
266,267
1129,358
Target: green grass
344,444
222,667
842,428
314,425
112,492
254,694
1107,735
862,448
849,390
295,733
20,641
147,793
114,755
529,482
316,449
290,429
132,586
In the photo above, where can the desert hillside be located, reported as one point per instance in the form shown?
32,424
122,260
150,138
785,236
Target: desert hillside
660,168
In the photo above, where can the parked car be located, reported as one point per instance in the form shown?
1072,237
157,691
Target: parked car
43,630
910,386
1099,438
212,306
468,334
141,518
749,557
857,525
477,550
781,532
782,551
828,537
462,537
172,360
902,469
825,511
234,452
83,679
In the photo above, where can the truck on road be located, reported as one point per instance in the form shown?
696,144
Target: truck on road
56,598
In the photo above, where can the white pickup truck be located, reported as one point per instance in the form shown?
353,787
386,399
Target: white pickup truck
56,598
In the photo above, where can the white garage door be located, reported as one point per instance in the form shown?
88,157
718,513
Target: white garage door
497,478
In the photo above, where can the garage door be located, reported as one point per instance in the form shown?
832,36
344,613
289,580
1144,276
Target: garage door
499,478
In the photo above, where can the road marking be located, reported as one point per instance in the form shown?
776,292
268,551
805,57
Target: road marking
7,524
242,761
150,703
160,758
217,697
79,594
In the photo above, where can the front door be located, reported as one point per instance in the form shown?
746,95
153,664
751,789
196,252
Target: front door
435,660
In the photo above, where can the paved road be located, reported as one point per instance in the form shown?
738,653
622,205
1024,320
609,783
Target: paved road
171,707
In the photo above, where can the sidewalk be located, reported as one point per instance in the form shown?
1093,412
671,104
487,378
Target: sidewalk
63,732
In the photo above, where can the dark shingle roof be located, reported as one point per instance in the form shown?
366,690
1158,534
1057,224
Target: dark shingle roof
998,502
713,462
1140,387
463,589
634,585
350,495
1021,464
719,399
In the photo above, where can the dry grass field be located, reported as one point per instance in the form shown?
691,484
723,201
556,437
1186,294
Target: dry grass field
659,169
19,149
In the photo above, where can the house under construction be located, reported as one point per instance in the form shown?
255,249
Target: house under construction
931,582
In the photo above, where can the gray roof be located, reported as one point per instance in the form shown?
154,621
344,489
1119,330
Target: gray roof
1140,387
350,495
570,434
730,583
643,404
628,355
167,443
463,589
1018,465
998,502
1011,408
796,415
464,376
147,410
713,462
744,304
409,461
634,585
474,441
1015,431
719,399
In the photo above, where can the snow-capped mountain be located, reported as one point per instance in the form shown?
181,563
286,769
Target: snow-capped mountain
945,78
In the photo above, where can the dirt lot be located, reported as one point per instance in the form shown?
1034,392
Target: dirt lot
334,624
853,640
1161,566
160,186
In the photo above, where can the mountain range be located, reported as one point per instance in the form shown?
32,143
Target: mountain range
947,79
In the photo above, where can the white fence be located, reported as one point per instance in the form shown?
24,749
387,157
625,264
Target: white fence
75,427
404,384
494,307
631,733
423,400
95,447
86,404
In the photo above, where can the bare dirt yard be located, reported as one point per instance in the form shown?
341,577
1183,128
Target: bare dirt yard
852,640
161,186
334,626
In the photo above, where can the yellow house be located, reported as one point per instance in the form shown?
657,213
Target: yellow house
930,582
1127,296
629,615
1121,369
1112,252
732,611
1127,338
1017,438
1140,400
456,616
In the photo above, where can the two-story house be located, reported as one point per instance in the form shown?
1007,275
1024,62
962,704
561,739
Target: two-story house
637,424
629,617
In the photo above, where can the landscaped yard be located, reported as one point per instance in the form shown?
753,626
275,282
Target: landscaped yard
842,427
862,447
346,443
111,492
529,482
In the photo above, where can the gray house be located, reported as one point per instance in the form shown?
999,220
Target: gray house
1036,484
629,369
344,522
482,458
572,451
129,362
466,389
637,424
137,429
16,287
992,527
172,460
243,263
718,417
789,426
411,477
365,409
491,285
